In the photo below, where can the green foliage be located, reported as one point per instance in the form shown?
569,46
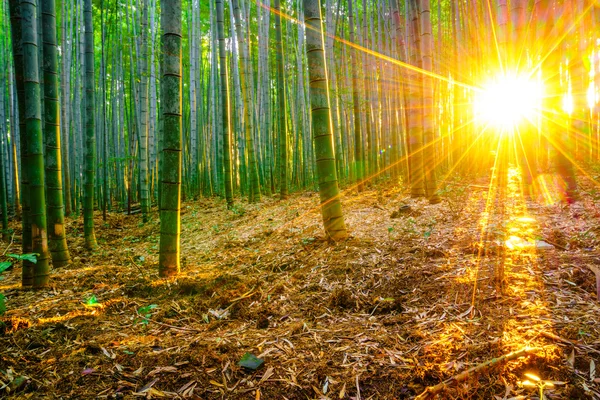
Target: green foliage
250,361
455,197
4,265
132,239
145,313
411,228
31,257
430,226
238,210
307,240
92,301
391,230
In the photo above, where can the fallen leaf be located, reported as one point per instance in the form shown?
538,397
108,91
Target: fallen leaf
266,375
158,370
571,359
250,361
465,313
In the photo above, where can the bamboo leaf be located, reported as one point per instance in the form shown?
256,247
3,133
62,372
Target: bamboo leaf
250,361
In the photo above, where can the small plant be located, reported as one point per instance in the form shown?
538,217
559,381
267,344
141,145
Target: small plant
238,210
92,301
307,240
455,198
411,228
145,313
391,230
4,265
537,381
429,230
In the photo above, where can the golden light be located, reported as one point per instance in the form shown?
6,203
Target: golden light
508,100
568,104
591,96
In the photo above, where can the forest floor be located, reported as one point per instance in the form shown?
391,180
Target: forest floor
405,303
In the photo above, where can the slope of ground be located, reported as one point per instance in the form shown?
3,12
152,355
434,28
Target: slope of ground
411,299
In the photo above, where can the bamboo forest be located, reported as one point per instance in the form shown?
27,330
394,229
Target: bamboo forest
300,199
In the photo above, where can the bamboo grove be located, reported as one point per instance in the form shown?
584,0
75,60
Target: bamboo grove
134,105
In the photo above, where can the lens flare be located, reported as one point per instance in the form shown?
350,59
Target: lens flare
507,100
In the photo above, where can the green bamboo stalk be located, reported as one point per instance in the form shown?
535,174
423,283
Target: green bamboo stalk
225,105
17,48
90,135
322,132
170,174
281,112
33,126
429,161
254,187
144,191
358,137
54,189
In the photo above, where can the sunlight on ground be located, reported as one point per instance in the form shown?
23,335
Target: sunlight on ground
16,285
68,316
516,317
520,261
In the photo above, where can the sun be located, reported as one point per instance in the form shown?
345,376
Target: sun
508,100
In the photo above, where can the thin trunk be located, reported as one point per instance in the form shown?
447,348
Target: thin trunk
331,207
17,48
170,225
55,205
225,105
35,152
358,139
245,76
281,107
90,137
429,159
143,148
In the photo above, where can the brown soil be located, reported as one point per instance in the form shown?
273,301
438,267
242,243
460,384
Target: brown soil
404,303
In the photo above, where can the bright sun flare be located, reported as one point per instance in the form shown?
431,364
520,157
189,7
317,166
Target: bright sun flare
508,100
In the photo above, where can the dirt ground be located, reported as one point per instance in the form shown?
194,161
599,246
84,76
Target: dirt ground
414,297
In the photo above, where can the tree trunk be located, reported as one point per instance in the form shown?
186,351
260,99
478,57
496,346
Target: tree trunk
281,106
54,190
331,207
170,203
35,162
90,134
225,105
358,137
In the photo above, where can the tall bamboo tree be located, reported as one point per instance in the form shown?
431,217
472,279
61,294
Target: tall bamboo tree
144,191
415,107
322,128
225,105
17,48
54,188
429,161
35,162
4,167
281,111
170,174
245,76
90,135
358,138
